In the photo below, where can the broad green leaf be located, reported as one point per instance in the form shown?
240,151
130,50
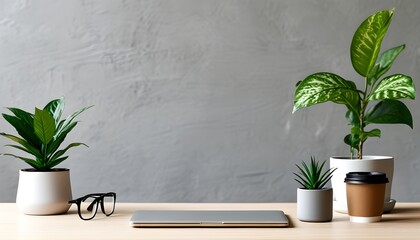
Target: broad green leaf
352,118
373,133
58,139
55,108
355,130
367,41
29,148
64,127
54,163
69,120
26,123
352,140
26,117
323,87
34,153
44,125
385,61
61,152
29,161
389,111
371,77
24,129
394,87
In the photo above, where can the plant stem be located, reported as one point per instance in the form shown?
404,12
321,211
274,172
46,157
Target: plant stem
44,157
360,150
363,106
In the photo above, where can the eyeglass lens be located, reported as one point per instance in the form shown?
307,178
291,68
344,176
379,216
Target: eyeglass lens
108,204
88,207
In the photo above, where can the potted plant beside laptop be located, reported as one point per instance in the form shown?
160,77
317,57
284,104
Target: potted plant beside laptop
378,102
43,189
314,200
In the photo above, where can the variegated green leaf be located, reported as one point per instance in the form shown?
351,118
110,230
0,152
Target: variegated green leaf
323,87
367,40
55,108
394,87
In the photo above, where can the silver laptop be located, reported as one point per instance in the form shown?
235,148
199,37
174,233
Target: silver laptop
215,218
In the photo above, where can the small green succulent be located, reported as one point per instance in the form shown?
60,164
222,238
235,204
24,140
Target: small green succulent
312,177
41,134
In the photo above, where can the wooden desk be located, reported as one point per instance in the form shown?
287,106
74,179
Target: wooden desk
403,223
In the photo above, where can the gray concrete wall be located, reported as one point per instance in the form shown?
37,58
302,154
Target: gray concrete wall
193,99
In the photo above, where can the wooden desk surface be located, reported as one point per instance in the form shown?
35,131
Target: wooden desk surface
403,223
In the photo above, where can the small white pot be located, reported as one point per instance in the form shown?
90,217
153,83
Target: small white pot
44,192
314,205
345,165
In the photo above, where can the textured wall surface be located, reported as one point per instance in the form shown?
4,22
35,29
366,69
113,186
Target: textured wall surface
193,99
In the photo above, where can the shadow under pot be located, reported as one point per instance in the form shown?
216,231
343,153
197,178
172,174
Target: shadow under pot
365,195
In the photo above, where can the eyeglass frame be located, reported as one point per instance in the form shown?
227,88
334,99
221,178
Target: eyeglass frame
99,199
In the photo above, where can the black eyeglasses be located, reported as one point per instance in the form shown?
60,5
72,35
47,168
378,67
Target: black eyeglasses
87,206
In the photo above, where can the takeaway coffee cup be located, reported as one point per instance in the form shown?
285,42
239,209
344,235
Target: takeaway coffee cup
365,196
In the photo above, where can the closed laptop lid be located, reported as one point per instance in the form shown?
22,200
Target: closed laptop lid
209,218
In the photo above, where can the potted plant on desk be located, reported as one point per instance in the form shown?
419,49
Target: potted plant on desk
376,103
314,202
42,189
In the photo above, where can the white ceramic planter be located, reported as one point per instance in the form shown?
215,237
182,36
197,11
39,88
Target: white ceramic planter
345,165
314,205
44,192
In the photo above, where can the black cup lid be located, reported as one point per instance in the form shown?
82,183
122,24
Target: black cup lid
366,178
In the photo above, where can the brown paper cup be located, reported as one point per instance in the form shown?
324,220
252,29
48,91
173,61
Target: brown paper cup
365,196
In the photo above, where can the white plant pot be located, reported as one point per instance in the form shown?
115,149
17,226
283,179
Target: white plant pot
345,165
44,192
314,205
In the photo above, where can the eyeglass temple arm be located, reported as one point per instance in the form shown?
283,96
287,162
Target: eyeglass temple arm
90,207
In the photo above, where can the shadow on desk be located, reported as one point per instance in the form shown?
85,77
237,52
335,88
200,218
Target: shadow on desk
405,210
402,214
291,224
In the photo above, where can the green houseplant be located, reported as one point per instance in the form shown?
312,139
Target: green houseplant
314,200
41,134
378,102
42,189
383,92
